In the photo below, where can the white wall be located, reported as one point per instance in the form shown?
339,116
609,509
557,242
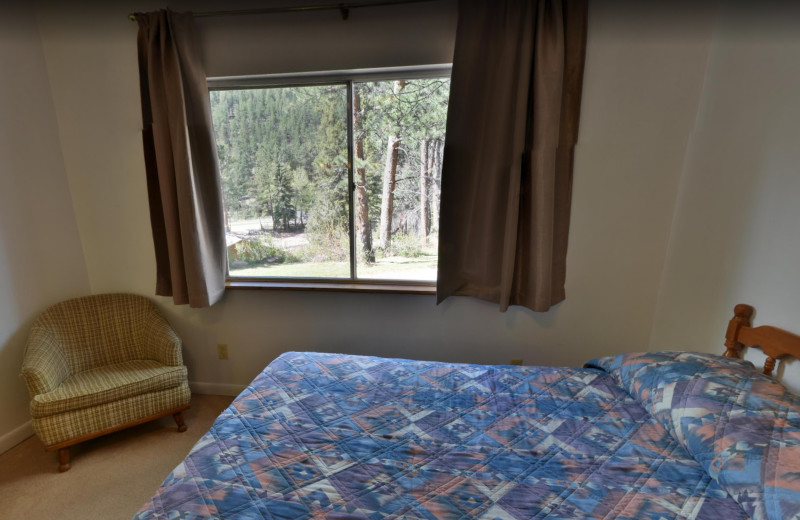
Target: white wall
644,73
736,237
680,103
387,36
41,261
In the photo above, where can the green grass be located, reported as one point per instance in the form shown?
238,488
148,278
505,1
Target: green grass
418,268
305,270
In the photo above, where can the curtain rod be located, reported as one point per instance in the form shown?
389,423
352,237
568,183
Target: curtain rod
343,8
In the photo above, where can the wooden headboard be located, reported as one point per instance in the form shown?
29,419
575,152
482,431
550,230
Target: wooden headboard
774,342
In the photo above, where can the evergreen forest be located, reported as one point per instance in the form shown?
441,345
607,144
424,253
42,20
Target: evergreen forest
283,155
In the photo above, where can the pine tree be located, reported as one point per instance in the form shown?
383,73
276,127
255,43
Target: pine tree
283,210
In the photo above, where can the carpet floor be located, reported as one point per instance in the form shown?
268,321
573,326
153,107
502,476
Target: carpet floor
111,476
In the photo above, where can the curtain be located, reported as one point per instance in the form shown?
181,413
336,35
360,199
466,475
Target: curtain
183,184
512,125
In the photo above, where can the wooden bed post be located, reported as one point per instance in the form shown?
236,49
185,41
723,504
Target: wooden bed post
742,316
772,341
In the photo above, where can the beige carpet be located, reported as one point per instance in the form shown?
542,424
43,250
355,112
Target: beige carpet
111,477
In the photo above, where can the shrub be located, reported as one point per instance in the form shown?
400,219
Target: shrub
262,250
405,245
328,244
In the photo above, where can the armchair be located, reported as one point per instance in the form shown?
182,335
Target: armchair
98,364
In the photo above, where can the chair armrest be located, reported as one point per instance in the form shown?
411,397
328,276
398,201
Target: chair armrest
43,366
160,341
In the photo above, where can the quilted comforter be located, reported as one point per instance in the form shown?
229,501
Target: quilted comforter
351,437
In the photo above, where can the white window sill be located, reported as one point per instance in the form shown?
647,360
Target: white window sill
370,286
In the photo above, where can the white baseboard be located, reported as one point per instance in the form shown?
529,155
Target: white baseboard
15,436
198,387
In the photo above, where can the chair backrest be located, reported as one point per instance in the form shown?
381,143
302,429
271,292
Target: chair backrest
98,330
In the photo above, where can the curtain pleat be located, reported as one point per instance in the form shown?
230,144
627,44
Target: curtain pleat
512,126
183,185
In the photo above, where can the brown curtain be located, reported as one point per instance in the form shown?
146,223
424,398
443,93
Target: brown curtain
181,161
512,125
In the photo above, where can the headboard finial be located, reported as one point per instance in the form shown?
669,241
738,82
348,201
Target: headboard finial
743,311
742,314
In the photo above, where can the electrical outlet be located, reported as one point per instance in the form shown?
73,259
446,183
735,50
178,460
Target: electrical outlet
516,362
222,350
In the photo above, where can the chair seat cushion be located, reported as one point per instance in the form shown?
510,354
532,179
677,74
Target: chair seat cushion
107,384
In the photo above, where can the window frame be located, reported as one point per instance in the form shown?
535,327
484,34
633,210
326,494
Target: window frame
346,78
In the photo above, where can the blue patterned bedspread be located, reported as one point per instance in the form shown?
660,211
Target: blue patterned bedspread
743,427
350,437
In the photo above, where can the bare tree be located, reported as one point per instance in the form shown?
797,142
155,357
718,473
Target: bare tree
362,201
389,179
424,169
387,200
435,175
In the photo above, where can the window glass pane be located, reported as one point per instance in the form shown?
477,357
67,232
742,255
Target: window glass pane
283,165
398,132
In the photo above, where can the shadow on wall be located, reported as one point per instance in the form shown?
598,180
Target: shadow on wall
736,238
15,394
41,260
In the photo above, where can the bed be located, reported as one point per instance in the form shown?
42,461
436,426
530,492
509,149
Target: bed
651,435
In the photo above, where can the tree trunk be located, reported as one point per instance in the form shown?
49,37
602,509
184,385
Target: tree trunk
389,177
433,152
423,191
363,227
435,156
271,213
387,200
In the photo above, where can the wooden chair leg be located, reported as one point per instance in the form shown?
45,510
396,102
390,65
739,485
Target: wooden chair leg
179,421
63,459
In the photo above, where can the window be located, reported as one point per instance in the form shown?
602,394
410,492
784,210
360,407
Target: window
334,178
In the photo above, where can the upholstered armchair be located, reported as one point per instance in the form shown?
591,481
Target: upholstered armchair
98,364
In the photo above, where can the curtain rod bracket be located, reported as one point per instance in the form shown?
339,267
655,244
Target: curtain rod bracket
345,11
